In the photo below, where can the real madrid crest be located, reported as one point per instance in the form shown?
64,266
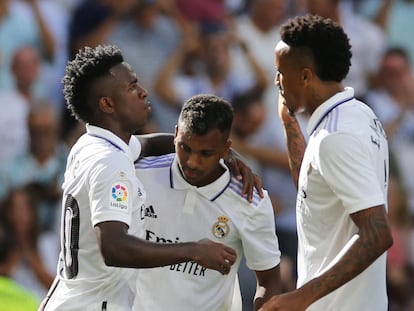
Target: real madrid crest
221,228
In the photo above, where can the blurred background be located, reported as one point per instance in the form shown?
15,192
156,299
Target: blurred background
180,48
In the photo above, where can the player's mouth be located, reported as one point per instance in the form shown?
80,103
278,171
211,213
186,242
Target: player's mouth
191,174
148,105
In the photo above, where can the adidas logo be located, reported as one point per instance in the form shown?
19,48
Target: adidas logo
148,212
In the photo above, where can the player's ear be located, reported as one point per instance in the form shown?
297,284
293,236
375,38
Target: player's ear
307,75
106,104
227,148
175,133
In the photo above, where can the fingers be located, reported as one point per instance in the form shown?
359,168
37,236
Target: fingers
230,255
235,168
224,269
229,258
225,266
258,185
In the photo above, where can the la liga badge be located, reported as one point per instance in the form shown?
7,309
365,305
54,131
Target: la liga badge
118,198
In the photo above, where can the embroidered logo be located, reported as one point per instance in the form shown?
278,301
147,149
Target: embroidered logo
119,197
148,212
119,193
221,228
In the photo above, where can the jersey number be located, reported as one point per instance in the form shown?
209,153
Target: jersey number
70,237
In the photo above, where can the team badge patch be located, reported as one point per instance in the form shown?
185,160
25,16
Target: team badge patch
221,228
119,197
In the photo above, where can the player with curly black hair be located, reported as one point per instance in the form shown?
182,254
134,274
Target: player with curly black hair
102,197
341,174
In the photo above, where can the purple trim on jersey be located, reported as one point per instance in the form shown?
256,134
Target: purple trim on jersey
329,111
332,121
155,162
171,177
236,187
106,139
222,191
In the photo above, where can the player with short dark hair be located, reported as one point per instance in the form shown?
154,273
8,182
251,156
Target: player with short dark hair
197,197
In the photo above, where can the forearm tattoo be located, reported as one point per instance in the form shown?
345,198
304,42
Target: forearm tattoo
374,239
296,145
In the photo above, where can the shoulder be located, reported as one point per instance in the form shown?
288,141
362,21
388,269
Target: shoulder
153,162
99,154
235,190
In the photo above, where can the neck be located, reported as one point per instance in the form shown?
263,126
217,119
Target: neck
25,92
114,128
322,94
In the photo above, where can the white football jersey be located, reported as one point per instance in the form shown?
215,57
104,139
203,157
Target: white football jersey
344,170
176,211
100,185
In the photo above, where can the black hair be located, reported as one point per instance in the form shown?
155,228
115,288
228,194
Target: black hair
324,40
241,101
89,65
202,113
7,242
399,51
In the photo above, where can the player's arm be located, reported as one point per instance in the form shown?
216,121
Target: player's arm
163,143
120,249
295,140
269,283
373,239
156,144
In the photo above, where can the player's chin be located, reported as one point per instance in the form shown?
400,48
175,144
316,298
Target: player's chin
191,175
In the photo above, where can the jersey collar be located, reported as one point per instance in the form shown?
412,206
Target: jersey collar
211,191
133,150
323,110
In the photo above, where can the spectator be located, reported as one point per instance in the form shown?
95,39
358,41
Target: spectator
400,268
393,102
395,17
52,17
202,11
92,22
216,76
42,167
16,31
12,295
19,213
17,102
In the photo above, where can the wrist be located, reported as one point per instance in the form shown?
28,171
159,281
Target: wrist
192,253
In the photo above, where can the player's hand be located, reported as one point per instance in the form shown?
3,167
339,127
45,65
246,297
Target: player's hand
216,256
242,172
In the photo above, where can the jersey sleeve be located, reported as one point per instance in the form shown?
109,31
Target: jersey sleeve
260,243
111,190
347,167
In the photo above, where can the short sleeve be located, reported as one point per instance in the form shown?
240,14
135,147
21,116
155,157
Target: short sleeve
346,165
111,190
260,243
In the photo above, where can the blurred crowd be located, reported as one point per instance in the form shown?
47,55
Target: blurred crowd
180,48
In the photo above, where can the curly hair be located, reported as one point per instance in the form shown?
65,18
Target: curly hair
325,41
82,72
202,113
